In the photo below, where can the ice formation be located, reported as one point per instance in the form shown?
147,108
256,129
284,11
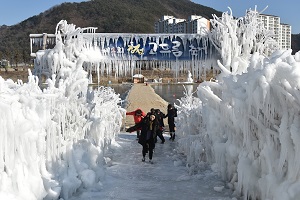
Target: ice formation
189,78
53,139
236,39
246,123
123,54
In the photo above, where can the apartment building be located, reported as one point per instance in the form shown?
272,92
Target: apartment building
200,25
194,24
285,36
281,32
165,24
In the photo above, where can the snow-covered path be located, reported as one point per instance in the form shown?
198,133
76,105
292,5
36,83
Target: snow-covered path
128,178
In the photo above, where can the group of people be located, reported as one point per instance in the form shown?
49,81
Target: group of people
150,126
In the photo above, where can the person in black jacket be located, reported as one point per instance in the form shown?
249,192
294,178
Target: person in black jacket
160,120
148,127
171,114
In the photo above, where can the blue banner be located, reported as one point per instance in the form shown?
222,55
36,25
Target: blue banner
168,49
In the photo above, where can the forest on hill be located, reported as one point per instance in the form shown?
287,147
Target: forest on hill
295,42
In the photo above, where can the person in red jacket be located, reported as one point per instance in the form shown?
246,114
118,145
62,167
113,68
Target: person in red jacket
138,115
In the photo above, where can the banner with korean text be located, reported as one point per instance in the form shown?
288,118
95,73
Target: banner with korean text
157,48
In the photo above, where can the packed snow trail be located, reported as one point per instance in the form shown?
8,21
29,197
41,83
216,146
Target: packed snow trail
127,177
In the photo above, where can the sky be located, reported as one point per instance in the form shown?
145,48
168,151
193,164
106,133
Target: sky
287,11
13,14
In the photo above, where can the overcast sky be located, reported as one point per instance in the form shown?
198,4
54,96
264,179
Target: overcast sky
15,11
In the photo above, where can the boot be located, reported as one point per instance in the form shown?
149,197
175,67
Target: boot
171,136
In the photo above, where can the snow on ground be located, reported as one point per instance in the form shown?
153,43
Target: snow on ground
127,177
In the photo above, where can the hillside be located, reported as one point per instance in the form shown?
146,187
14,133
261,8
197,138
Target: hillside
127,16
295,43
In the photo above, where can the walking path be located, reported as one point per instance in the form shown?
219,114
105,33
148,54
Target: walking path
128,178
144,97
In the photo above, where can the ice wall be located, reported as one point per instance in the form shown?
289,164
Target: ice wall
53,139
246,126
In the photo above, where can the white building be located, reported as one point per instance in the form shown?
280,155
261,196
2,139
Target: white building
285,36
166,24
282,32
194,24
198,24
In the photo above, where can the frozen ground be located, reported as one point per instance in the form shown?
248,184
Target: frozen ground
127,177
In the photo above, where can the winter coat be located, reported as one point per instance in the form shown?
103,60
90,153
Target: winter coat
160,119
171,114
144,125
136,118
